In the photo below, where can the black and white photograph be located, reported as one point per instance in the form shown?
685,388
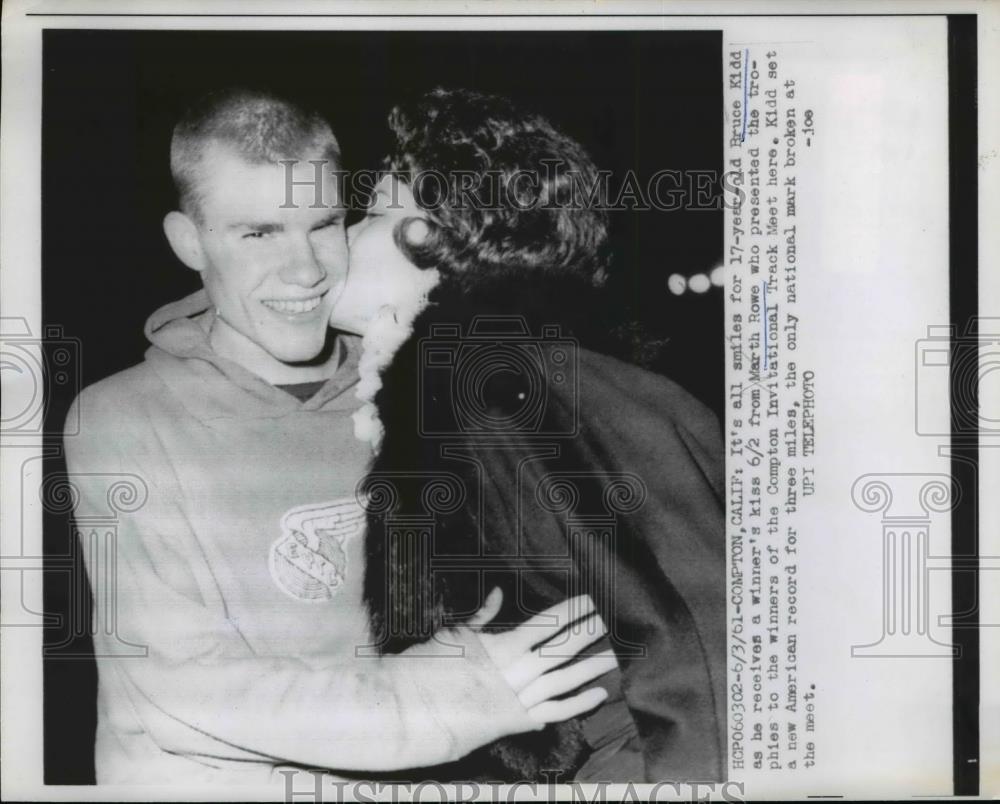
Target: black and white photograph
395,352
499,400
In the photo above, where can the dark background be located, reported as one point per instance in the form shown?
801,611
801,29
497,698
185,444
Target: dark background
643,101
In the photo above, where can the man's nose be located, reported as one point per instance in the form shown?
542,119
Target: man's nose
302,268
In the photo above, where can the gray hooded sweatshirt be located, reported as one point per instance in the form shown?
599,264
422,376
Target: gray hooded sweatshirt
224,544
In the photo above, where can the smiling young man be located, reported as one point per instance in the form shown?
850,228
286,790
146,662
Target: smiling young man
239,556
261,220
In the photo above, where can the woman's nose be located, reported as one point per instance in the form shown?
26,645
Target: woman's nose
352,232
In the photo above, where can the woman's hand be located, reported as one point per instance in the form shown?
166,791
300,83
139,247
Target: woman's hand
534,657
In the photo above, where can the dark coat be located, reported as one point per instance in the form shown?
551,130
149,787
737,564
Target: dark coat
539,463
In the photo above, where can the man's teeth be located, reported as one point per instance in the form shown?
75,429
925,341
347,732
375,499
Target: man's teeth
285,306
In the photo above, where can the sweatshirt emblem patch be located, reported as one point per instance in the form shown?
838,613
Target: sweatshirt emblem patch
309,560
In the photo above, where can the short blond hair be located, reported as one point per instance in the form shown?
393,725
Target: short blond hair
261,127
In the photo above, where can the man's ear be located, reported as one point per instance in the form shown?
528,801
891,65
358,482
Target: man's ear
182,234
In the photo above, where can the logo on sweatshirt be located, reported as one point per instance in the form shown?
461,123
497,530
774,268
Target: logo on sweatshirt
309,560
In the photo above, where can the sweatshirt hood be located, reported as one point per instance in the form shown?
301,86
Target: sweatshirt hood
214,387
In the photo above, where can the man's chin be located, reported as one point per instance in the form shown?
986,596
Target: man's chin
307,355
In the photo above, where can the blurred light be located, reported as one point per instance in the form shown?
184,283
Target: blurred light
718,276
676,284
699,283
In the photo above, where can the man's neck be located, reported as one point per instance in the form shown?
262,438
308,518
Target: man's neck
231,344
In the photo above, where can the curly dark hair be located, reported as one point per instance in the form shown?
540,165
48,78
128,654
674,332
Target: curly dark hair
503,189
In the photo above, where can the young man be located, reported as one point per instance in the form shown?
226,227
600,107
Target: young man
239,561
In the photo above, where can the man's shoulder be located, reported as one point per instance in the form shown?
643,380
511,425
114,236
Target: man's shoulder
136,382
108,402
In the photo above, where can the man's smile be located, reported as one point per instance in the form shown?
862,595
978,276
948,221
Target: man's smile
293,306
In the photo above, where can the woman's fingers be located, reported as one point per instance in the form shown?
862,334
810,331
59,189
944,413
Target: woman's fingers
489,610
541,644
566,679
556,711
559,650
567,644
545,625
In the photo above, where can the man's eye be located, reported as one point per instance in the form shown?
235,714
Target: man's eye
255,235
